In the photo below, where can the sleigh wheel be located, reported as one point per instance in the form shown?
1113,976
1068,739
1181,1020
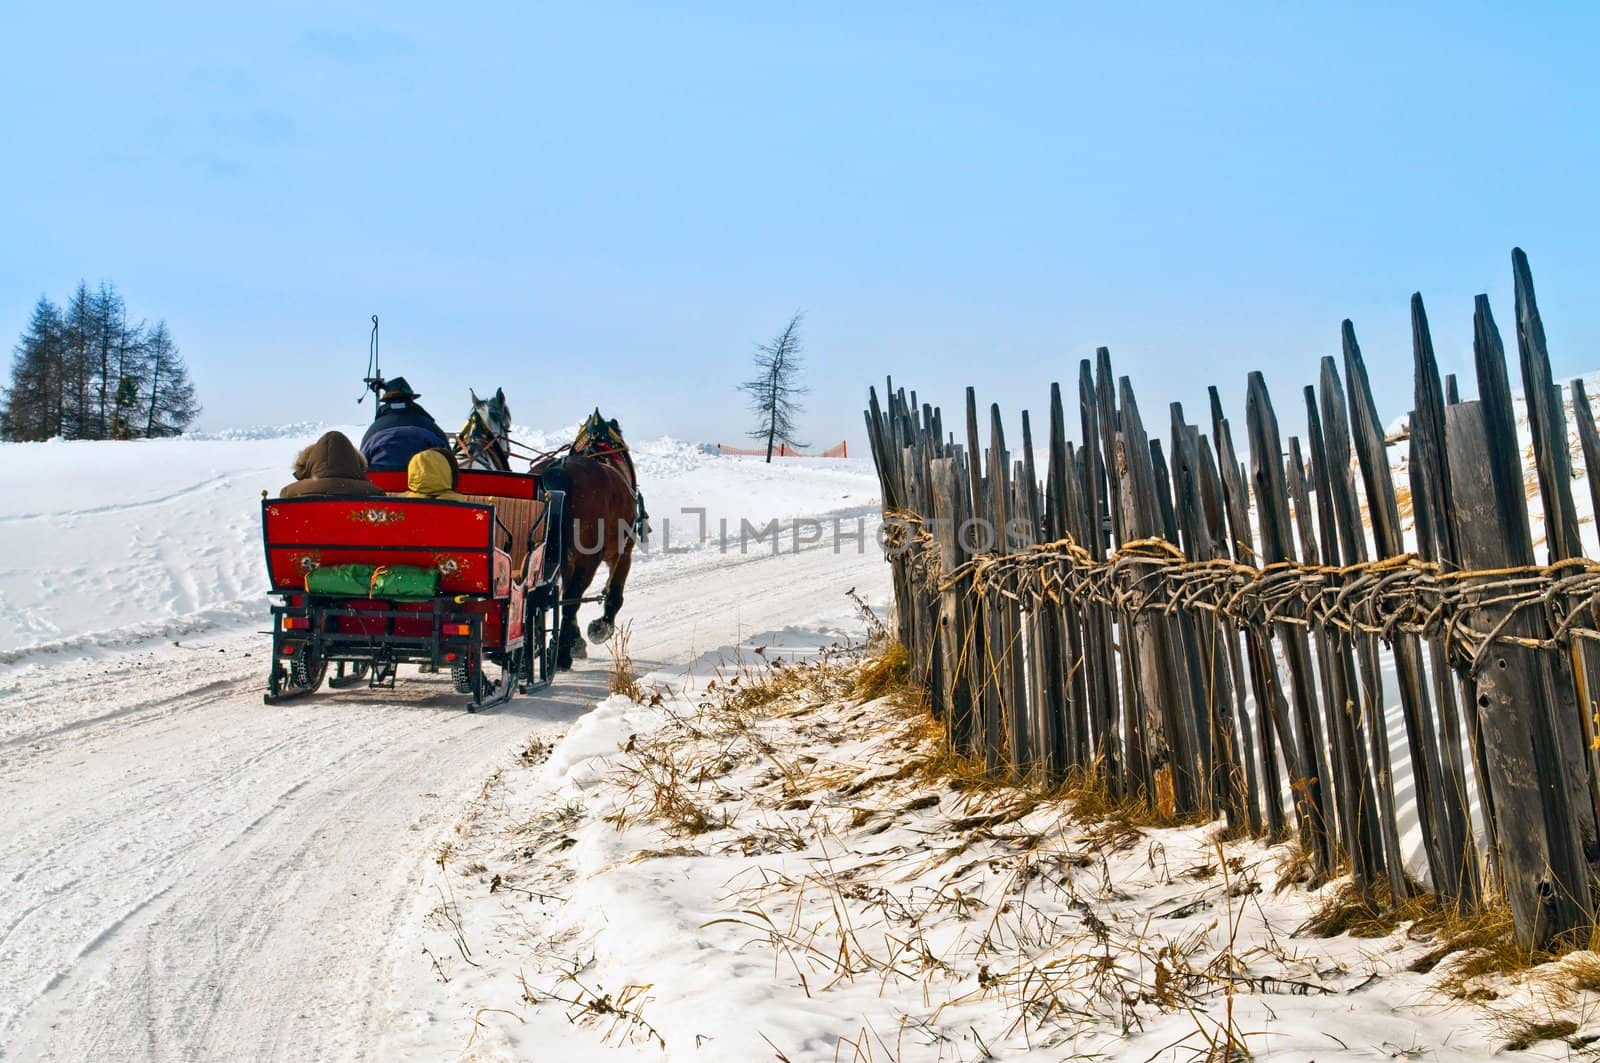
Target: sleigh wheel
307,672
465,674
301,675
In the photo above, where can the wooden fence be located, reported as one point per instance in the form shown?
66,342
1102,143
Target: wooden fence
1214,637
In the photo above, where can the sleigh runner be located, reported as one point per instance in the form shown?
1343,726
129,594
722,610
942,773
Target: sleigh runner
368,584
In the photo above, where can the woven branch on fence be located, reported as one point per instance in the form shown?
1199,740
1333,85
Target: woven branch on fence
904,535
1396,595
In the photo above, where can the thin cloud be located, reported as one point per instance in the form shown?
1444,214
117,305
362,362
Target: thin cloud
362,44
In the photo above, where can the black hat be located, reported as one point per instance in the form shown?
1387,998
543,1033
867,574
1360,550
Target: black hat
397,390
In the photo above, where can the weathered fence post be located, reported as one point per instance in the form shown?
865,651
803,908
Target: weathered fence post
1210,633
986,698
1227,632
1542,867
1070,619
1569,767
1271,709
1340,741
1310,771
1369,857
953,634
1429,475
1004,619
1049,690
1547,424
1102,679
1440,813
1169,724
1353,547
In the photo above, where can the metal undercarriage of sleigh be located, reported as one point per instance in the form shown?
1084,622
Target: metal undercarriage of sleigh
365,585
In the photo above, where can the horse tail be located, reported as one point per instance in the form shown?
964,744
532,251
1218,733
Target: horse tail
555,477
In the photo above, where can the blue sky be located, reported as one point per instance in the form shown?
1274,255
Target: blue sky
611,203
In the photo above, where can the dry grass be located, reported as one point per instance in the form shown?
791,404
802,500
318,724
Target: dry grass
660,784
1524,1031
1526,995
619,1015
1472,948
671,776
1344,910
1025,897
1467,949
757,692
1579,972
1022,851
622,678
1092,797
887,674
1031,878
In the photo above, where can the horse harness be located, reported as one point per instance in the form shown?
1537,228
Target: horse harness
598,439
601,440
477,438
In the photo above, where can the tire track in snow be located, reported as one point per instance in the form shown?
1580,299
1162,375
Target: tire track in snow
141,809
144,503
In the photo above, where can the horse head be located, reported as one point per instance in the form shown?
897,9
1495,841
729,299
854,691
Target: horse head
599,435
484,442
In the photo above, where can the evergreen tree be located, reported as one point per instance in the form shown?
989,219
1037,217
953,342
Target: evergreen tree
27,406
75,405
775,390
110,320
172,405
131,375
124,408
124,370
87,373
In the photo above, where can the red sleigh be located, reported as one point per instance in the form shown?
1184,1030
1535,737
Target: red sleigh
491,566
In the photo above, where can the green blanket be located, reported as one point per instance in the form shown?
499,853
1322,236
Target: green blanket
405,581
368,581
347,581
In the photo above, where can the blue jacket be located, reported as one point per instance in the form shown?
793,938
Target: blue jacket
401,430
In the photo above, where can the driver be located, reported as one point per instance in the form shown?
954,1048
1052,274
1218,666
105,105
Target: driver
400,430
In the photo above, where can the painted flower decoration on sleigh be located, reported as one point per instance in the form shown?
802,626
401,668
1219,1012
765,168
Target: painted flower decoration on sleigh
377,515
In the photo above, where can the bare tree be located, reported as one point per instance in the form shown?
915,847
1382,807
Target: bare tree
775,389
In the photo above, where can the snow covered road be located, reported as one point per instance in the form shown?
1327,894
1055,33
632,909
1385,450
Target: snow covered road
205,877
189,874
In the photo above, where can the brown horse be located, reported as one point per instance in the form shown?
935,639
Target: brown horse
605,518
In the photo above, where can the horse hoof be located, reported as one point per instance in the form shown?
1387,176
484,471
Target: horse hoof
579,650
601,630
563,663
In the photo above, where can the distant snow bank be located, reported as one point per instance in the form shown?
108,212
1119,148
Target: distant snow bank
104,544
310,429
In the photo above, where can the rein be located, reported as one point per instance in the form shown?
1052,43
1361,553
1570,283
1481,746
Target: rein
614,454
491,445
533,454
476,432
